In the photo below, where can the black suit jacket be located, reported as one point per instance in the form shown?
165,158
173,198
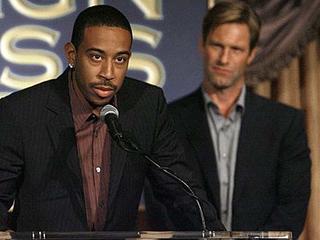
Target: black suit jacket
39,165
272,174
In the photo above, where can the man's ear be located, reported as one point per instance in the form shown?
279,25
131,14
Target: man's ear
70,53
252,55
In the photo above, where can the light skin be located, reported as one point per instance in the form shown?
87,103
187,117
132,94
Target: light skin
100,63
226,54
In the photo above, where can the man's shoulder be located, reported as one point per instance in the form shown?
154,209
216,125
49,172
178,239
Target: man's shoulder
270,105
134,90
132,83
189,101
32,98
27,105
38,91
30,92
253,102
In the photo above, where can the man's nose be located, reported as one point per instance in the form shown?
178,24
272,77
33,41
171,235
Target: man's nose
107,69
224,56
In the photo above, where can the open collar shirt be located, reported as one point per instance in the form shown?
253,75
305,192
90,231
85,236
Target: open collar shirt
225,136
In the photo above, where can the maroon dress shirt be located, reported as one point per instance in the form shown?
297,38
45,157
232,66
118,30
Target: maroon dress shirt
93,143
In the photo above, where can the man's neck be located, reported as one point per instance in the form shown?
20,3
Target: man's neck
224,99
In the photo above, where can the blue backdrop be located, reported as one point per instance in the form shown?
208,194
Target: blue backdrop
165,51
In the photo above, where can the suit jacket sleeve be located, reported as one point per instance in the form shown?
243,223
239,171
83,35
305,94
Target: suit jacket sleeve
294,180
11,162
169,153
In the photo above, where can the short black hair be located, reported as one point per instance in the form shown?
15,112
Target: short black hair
99,15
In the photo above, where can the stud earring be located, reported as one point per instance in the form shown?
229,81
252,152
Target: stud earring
71,65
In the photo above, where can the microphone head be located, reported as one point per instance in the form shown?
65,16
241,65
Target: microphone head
108,109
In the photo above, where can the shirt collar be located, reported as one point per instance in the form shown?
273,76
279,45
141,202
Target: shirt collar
239,106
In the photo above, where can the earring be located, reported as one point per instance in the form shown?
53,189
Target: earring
71,65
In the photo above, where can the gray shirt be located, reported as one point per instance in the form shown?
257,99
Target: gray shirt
225,137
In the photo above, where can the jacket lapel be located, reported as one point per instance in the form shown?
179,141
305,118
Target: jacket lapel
249,141
118,160
61,131
118,155
200,138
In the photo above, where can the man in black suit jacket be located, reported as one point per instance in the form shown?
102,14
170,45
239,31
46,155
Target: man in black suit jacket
250,153
49,157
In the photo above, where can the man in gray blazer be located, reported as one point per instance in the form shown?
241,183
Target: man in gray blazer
250,153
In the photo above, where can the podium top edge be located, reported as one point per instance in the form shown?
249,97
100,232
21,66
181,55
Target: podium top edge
35,235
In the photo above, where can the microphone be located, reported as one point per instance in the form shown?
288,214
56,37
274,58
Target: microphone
109,114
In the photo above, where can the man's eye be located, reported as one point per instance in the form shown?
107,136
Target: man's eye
237,50
215,46
121,59
96,57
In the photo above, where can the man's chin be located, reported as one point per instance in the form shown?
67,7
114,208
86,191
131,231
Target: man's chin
220,85
100,103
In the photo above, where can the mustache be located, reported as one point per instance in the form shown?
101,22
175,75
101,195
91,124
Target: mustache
105,83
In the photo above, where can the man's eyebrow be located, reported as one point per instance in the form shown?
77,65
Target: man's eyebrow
95,49
103,52
123,52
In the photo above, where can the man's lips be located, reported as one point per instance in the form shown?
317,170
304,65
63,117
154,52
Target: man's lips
103,91
104,88
220,70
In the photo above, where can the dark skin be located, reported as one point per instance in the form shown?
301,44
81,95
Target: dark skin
100,63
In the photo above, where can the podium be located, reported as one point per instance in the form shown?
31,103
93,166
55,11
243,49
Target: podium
275,235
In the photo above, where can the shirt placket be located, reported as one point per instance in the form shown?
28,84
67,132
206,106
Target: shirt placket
224,145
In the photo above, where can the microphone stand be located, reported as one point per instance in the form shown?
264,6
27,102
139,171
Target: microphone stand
129,146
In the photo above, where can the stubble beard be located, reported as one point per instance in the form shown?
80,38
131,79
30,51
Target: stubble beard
221,83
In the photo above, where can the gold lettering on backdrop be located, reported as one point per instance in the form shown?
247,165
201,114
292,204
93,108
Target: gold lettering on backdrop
95,2
23,56
150,65
152,9
144,62
146,34
47,11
